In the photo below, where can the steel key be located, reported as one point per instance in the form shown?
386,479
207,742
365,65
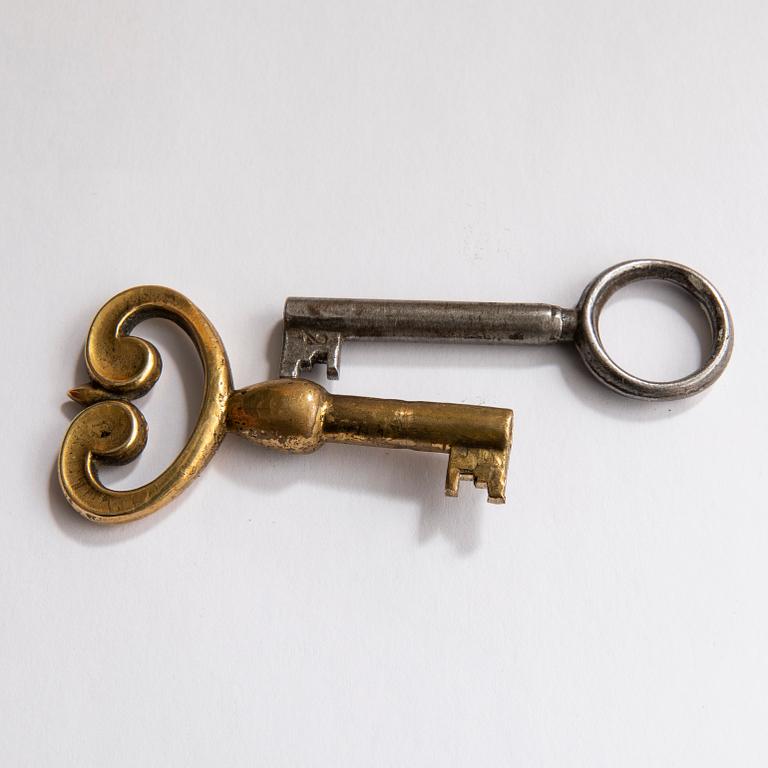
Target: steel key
314,328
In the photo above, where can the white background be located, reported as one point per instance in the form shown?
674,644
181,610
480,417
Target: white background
335,609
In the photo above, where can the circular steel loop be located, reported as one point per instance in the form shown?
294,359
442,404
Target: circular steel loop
593,352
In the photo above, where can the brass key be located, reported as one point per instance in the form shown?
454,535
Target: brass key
288,415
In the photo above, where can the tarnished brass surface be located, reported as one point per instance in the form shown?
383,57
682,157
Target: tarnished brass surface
298,415
287,414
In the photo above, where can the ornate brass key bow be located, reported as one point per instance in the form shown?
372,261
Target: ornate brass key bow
288,415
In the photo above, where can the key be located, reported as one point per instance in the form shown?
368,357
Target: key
315,328
299,416
287,414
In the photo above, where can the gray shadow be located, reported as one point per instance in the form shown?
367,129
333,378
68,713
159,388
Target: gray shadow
410,476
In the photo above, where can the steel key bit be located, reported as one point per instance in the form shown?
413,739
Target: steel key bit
288,415
314,328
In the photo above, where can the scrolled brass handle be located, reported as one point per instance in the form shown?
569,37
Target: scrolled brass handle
112,430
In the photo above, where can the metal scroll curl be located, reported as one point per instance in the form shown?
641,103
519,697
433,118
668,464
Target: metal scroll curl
112,430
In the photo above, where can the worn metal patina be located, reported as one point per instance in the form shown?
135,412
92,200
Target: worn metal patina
287,415
314,328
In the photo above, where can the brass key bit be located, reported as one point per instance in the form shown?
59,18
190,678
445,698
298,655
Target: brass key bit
288,415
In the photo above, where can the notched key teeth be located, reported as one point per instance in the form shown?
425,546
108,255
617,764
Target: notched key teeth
302,349
486,467
452,480
333,353
495,485
293,356
493,477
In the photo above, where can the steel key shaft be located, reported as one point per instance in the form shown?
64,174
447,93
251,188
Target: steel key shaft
314,328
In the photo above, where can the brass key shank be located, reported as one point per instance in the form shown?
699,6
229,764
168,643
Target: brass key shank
288,415
299,415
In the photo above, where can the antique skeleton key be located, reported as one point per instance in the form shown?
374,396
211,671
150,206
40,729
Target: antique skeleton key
315,328
288,415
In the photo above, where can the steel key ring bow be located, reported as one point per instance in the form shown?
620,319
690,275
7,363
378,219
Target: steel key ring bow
591,348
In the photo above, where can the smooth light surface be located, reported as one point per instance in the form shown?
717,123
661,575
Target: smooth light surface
336,609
